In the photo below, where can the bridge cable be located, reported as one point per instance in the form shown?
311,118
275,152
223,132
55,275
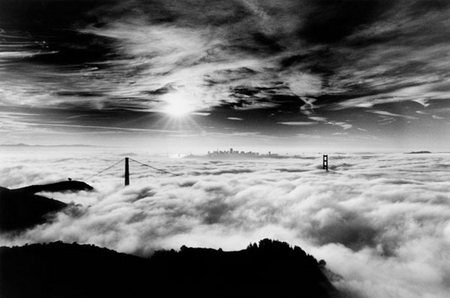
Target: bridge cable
161,170
104,170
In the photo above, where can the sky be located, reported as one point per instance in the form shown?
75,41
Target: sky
196,75
380,221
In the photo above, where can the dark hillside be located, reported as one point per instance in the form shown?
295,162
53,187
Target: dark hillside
21,208
270,269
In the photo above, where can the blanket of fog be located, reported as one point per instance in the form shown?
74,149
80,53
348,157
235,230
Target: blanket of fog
381,221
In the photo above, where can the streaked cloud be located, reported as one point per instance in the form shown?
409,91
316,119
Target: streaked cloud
285,58
299,123
385,113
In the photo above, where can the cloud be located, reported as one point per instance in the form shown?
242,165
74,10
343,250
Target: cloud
317,118
381,221
235,118
342,124
385,113
204,114
95,127
285,57
305,84
297,123
437,117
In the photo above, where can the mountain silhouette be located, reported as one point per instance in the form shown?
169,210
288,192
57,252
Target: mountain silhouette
21,208
270,269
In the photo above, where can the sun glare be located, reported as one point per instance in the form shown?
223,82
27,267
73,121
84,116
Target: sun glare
177,107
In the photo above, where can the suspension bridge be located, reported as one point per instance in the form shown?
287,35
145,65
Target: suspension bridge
126,176
127,161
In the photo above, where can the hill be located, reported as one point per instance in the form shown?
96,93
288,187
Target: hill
270,269
21,208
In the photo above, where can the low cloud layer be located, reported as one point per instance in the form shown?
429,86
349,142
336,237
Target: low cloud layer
380,221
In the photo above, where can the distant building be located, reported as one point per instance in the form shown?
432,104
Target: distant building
236,154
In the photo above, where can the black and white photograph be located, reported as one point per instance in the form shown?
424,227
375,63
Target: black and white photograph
224,148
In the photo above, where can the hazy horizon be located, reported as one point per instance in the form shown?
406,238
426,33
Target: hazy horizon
174,151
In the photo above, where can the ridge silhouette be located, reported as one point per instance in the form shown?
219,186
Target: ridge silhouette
62,186
270,269
21,208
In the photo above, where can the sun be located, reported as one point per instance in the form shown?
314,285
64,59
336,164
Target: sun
177,107
179,110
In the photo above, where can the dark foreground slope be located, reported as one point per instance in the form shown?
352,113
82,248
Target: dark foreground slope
21,208
270,269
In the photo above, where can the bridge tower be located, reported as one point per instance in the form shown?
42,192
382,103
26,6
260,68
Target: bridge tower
325,162
127,172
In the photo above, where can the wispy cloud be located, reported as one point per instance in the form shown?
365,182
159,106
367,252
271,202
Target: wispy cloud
287,57
385,113
342,124
297,123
